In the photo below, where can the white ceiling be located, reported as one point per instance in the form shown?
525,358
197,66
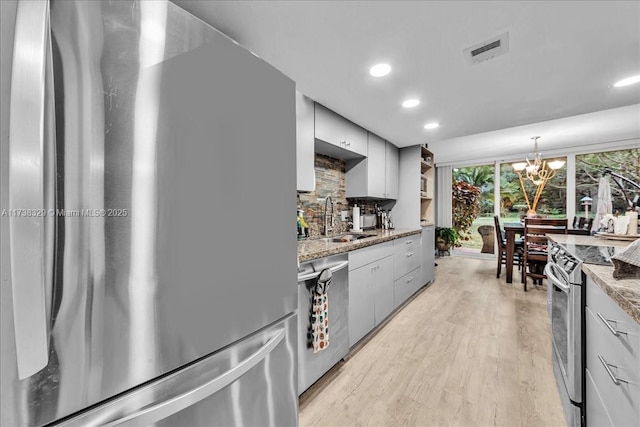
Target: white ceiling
564,57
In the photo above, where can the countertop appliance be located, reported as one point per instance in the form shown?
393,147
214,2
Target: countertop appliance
565,298
132,289
312,366
368,221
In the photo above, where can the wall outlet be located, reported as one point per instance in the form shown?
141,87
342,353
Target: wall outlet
344,215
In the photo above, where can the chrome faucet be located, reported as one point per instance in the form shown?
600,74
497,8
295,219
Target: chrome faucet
328,217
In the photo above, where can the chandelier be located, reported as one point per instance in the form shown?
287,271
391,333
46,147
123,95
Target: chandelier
537,171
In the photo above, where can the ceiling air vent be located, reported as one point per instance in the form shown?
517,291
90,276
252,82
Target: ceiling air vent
488,49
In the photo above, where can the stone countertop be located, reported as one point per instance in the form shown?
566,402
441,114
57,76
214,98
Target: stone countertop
625,292
314,248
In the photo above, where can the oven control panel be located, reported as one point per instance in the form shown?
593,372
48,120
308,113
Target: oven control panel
563,259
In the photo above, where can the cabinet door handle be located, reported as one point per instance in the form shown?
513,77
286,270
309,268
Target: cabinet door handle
410,279
408,242
410,254
606,365
608,325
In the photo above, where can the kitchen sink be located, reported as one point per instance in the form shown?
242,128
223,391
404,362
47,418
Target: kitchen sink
348,237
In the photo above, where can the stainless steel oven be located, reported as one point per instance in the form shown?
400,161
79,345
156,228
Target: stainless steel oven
564,296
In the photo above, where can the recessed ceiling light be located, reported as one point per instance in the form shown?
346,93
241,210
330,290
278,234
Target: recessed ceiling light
628,81
431,125
410,103
380,70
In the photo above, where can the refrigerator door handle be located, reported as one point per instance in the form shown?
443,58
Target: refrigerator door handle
173,405
27,207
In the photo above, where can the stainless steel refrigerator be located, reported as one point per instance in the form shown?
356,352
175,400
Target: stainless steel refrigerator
148,257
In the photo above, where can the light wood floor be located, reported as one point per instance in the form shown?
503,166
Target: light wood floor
470,350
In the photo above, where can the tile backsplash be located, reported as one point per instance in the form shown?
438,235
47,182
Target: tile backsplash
331,181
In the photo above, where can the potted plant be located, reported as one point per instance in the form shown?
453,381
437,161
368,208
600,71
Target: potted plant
445,238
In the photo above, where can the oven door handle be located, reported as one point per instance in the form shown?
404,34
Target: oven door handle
548,271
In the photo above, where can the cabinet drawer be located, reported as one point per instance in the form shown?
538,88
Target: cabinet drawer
621,400
406,286
406,260
597,414
369,254
605,309
406,242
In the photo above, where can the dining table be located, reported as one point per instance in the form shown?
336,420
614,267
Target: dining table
511,229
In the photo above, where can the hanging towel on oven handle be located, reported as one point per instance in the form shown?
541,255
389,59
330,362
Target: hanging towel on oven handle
320,311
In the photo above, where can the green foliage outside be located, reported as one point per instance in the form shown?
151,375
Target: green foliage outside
589,168
512,200
482,177
472,202
466,207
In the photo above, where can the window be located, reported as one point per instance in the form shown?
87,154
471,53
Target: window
552,202
589,169
471,211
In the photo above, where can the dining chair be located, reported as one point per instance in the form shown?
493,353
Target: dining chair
502,248
535,246
581,226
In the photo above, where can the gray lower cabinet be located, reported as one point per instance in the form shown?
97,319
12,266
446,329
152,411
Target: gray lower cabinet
406,286
597,414
383,289
370,289
381,278
428,254
612,362
370,297
407,272
361,313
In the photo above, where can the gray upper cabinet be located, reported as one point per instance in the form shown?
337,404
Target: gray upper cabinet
392,161
338,137
305,155
377,175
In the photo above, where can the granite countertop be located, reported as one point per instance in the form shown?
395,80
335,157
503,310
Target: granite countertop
625,292
317,248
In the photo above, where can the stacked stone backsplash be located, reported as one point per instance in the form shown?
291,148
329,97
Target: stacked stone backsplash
331,181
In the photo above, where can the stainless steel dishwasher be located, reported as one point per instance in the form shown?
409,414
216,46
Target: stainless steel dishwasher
311,366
